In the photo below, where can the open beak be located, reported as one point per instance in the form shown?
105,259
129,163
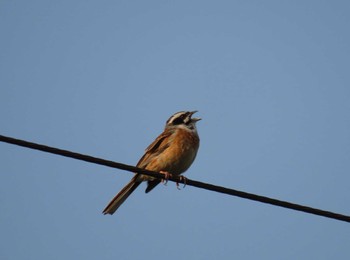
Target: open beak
195,119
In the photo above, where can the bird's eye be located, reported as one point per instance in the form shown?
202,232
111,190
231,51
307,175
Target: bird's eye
178,120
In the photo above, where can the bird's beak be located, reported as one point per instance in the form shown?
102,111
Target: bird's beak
195,119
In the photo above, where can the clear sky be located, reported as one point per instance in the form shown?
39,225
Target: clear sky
271,82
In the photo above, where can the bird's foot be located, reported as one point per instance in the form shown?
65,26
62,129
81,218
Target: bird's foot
167,175
183,179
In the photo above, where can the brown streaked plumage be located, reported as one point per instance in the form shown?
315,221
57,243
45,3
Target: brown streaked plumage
173,152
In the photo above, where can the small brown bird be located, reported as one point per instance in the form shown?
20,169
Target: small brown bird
172,152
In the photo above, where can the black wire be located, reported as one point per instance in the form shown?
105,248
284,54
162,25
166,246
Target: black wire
177,179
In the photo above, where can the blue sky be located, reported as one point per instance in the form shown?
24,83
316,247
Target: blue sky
270,80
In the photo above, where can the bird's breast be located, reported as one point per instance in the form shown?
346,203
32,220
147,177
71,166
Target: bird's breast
180,154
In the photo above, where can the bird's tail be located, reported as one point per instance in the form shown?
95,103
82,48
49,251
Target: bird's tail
122,196
151,185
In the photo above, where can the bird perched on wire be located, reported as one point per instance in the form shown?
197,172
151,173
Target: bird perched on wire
172,152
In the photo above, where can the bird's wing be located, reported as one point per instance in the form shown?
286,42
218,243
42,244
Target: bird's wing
154,149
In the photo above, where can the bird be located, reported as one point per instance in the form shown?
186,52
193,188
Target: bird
171,153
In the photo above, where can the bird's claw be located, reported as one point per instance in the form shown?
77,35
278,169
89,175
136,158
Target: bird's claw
183,179
167,175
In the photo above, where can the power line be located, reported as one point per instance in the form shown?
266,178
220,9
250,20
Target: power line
177,179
